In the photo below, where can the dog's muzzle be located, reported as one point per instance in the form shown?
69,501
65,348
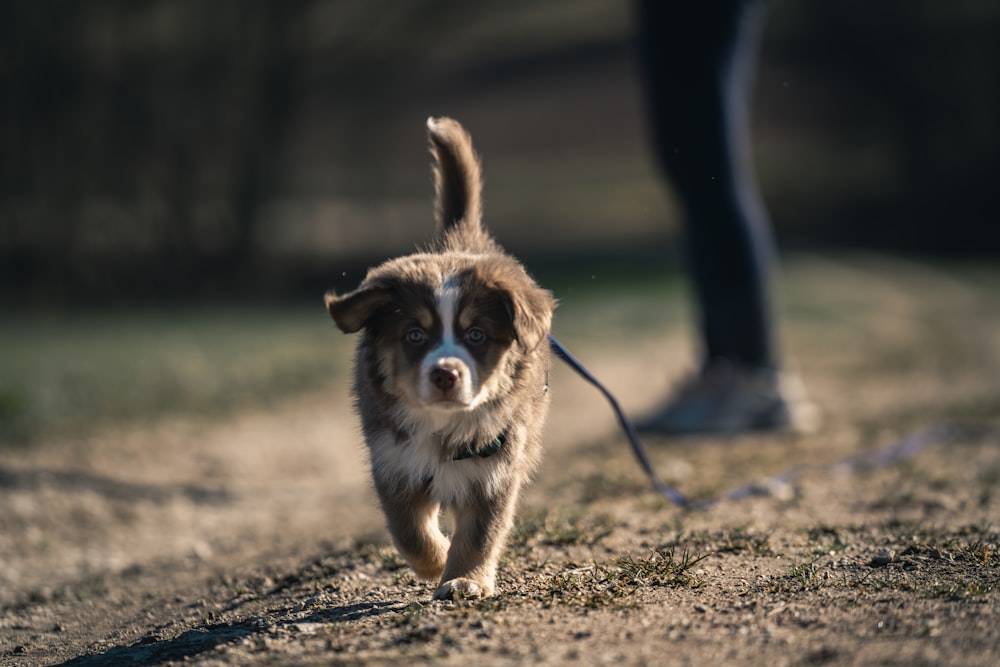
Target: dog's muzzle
448,382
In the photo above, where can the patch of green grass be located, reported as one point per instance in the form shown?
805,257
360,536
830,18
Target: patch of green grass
614,584
64,374
980,553
959,589
588,587
974,544
801,577
600,585
660,568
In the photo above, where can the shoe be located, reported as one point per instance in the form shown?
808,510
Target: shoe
727,398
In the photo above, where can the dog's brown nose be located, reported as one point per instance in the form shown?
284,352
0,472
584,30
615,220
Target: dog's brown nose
444,378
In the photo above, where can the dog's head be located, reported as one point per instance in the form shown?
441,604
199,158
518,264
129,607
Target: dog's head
447,330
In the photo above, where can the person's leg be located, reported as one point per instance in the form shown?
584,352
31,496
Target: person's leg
698,62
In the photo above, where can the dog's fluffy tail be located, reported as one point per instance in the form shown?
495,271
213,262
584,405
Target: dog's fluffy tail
458,186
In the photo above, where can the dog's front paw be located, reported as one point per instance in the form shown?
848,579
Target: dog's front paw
462,588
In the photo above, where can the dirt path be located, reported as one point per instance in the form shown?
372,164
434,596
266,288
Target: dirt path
256,540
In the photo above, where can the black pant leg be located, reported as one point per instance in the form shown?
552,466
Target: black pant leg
697,62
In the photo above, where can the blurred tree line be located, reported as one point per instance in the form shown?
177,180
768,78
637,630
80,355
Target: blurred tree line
154,148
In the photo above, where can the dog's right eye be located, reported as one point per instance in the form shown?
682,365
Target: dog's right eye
416,336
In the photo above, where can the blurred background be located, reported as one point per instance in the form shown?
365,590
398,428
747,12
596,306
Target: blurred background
180,180
243,149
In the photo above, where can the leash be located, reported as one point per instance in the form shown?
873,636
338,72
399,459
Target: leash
900,450
633,436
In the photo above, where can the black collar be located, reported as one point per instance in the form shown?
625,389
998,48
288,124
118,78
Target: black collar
483,451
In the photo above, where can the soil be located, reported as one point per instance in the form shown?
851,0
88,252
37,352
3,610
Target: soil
256,539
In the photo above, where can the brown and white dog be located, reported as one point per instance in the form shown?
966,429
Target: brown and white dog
450,381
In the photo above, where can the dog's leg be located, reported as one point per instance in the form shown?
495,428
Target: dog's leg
481,528
412,517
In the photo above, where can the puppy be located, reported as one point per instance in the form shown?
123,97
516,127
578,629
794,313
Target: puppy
451,381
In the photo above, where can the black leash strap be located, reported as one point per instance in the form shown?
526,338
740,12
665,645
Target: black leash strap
633,436
902,449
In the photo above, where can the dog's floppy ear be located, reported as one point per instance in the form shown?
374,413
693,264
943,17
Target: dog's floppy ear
353,310
530,311
526,307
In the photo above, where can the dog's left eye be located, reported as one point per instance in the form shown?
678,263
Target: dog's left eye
475,336
416,336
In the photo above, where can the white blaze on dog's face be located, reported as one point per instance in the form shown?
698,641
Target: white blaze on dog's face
449,376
